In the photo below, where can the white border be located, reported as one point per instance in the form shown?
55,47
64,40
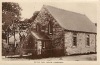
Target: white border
64,62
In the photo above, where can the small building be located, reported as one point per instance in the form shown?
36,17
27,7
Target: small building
59,32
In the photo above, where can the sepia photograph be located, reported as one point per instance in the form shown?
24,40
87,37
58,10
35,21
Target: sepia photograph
49,31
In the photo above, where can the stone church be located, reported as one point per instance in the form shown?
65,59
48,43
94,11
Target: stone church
57,32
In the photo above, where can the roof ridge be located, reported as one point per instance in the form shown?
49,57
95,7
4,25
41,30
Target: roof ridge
63,9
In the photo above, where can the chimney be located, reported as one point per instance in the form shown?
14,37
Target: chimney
96,24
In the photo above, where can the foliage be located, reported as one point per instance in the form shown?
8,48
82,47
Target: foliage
14,8
10,13
34,16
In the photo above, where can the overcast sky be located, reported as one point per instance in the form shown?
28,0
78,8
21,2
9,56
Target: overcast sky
89,9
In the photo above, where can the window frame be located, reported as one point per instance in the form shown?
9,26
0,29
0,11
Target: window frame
88,40
43,44
50,29
37,27
74,39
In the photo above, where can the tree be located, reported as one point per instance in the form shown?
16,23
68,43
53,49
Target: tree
14,8
34,16
10,12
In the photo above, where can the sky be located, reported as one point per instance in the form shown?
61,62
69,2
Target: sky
89,9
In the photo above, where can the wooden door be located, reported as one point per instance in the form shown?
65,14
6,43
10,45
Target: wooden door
46,48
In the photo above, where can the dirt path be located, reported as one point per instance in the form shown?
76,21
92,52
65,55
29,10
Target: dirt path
90,57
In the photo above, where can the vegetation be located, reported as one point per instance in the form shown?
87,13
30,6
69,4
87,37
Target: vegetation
10,13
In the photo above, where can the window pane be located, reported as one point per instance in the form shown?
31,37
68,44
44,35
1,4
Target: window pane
74,41
88,40
50,28
43,44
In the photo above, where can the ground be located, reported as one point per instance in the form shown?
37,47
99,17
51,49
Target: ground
89,57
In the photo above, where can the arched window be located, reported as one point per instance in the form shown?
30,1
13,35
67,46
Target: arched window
74,39
38,28
88,40
50,28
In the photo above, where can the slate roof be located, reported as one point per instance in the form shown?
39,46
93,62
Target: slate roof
71,20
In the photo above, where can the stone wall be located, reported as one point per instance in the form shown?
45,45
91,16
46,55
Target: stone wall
44,18
81,47
59,38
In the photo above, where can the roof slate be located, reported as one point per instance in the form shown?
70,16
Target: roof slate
71,20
